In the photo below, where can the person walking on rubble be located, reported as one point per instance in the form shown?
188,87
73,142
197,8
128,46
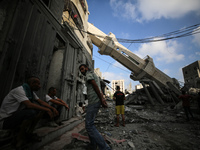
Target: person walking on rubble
95,100
57,103
186,104
119,98
20,113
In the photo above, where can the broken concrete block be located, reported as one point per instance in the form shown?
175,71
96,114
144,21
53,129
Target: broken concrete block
135,131
131,145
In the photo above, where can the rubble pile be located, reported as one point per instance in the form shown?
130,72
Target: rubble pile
147,128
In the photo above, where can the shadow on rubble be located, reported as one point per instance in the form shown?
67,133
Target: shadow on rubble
155,127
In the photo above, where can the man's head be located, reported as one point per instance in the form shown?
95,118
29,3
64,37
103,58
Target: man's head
118,88
34,83
83,69
52,91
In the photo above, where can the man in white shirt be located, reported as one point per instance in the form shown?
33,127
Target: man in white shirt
18,111
57,103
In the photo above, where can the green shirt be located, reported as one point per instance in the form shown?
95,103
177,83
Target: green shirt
91,94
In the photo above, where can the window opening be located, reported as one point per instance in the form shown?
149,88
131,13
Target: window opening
129,57
74,14
83,5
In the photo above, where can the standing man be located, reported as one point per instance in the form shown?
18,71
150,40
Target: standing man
186,104
56,103
119,98
95,100
19,113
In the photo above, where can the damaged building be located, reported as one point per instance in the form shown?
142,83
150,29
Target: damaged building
36,39
47,38
191,74
44,38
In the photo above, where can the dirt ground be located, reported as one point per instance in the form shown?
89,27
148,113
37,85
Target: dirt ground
147,128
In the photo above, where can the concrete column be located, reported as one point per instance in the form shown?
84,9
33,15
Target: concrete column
157,87
147,92
155,93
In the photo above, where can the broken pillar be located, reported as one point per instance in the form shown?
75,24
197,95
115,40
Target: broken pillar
148,94
156,93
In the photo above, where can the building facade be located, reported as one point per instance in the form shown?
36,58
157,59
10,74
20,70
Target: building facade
191,74
98,72
129,88
104,82
138,86
45,38
116,83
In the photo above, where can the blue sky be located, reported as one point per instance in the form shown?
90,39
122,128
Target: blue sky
138,19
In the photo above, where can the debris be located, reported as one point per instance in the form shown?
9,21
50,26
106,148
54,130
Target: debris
131,145
112,140
80,137
108,133
151,128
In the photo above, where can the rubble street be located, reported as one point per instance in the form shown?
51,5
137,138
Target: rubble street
147,128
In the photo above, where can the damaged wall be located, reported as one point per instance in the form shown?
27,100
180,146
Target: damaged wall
34,42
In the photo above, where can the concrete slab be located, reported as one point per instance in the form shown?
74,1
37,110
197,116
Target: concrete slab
50,134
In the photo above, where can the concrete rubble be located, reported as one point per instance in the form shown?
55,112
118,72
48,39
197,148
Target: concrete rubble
147,128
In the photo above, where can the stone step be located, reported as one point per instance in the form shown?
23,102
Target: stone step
52,137
64,140
57,137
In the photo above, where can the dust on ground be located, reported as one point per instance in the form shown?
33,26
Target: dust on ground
147,128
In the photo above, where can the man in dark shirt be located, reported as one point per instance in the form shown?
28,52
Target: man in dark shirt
119,98
186,103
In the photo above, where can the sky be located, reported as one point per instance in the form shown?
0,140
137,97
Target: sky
139,19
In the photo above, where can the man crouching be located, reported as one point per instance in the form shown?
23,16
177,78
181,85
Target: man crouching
19,113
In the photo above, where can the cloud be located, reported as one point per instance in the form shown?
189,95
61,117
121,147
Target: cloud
145,10
166,71
196,39
123,9
122,73
194,56
163,51
156,9
113,76
197,53
120,76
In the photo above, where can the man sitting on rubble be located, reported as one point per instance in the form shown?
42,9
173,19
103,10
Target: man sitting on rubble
119,98
57,103
20,113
